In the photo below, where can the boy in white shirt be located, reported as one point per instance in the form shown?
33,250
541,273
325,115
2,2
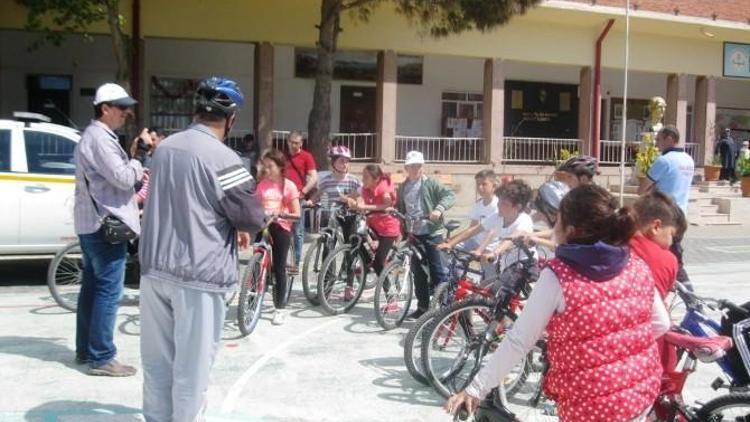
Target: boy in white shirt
485,207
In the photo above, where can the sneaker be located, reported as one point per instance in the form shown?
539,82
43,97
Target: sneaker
279,316
415,315
390,308
349,294
113,369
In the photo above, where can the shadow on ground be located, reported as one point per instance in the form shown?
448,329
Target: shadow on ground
83,411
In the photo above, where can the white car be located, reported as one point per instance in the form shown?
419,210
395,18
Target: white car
37,183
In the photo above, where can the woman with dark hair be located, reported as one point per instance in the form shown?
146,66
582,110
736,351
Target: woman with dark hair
280,200
378,194
601,312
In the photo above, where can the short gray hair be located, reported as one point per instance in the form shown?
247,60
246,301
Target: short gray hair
294,134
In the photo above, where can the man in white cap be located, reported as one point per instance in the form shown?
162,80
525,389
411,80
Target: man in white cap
419,197
105,177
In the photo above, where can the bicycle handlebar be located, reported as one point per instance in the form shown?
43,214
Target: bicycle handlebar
692,299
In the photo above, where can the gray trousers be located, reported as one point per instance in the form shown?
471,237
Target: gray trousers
180,333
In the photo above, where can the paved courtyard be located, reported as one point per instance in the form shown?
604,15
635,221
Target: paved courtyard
313,368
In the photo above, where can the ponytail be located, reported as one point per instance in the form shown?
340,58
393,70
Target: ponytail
595,216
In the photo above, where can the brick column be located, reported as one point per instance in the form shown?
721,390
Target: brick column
704,117
588,127
493,119
263,95
676,113
387,87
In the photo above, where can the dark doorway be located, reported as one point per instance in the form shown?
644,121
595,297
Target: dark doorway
50,95
357,109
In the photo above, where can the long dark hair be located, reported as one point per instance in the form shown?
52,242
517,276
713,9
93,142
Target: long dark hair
277,157
377,173
595,215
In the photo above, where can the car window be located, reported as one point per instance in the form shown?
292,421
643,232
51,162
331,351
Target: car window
4,150
48,153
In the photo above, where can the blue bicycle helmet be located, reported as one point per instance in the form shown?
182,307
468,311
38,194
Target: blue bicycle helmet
218,96
549,196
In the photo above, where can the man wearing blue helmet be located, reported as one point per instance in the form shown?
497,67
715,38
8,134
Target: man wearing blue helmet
201,197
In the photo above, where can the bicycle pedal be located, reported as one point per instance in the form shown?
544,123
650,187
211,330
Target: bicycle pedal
718,383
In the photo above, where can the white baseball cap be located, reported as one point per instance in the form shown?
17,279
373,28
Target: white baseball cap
115,94
414,157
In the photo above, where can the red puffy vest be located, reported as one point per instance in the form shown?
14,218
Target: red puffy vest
604,364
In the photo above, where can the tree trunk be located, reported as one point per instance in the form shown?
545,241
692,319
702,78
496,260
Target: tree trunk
122,56
319,122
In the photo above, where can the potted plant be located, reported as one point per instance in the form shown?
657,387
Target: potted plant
563,156
711,172
646,155
743,172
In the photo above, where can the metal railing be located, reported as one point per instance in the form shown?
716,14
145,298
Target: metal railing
361,145
537,150
610,152
440,149
695,151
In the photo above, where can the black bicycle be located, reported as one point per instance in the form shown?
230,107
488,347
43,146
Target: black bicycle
330,236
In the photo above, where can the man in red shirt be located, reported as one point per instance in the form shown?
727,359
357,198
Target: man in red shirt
302,170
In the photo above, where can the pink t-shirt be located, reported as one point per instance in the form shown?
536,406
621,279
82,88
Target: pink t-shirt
274,200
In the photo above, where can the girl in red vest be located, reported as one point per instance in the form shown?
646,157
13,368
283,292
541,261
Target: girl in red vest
601,312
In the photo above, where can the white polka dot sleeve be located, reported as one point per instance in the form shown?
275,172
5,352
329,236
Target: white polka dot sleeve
544,301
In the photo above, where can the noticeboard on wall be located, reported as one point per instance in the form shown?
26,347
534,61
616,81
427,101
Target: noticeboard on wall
736,60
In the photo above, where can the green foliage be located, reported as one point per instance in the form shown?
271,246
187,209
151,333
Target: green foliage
441,18
563,156
646,155
743,167
716,160
55,18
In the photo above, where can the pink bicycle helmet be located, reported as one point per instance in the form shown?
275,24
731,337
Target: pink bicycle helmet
337,151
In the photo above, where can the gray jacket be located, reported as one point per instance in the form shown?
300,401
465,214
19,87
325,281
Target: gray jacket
199,196
111,176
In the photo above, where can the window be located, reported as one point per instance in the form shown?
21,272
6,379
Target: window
4,150
357,66
172,105
48,153
462,114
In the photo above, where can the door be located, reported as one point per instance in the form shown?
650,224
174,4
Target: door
357,109
10,188
50,95
47,197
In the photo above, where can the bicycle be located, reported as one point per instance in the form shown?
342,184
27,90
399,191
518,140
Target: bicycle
395,285
342,277
65,274
256,279
461,287
330,236
702,344
475,326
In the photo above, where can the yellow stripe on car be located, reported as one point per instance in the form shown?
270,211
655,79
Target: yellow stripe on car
37,178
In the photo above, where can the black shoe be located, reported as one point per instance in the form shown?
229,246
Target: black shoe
415,315
80,360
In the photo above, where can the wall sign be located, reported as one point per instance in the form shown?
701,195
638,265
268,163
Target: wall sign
736,60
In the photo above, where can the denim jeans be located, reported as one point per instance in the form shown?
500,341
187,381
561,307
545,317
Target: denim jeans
298,232
438,270
101,291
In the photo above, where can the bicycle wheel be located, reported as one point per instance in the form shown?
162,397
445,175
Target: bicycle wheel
64,276
393,294
729,407
413,347
451,353
341,280
252,290
311,266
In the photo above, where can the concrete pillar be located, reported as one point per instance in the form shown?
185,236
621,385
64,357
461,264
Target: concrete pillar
588,126
387,87
493,119
263,95
676,113
704,117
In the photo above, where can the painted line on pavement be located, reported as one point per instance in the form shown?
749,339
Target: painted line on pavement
730,249
234,392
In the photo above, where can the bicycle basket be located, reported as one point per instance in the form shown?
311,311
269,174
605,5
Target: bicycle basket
737,326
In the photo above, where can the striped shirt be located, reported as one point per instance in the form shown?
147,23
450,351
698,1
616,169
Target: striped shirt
111,177
332,188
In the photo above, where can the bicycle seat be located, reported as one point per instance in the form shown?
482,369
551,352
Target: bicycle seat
706,349
452,225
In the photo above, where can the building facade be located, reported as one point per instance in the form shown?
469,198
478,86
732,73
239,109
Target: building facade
512,98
